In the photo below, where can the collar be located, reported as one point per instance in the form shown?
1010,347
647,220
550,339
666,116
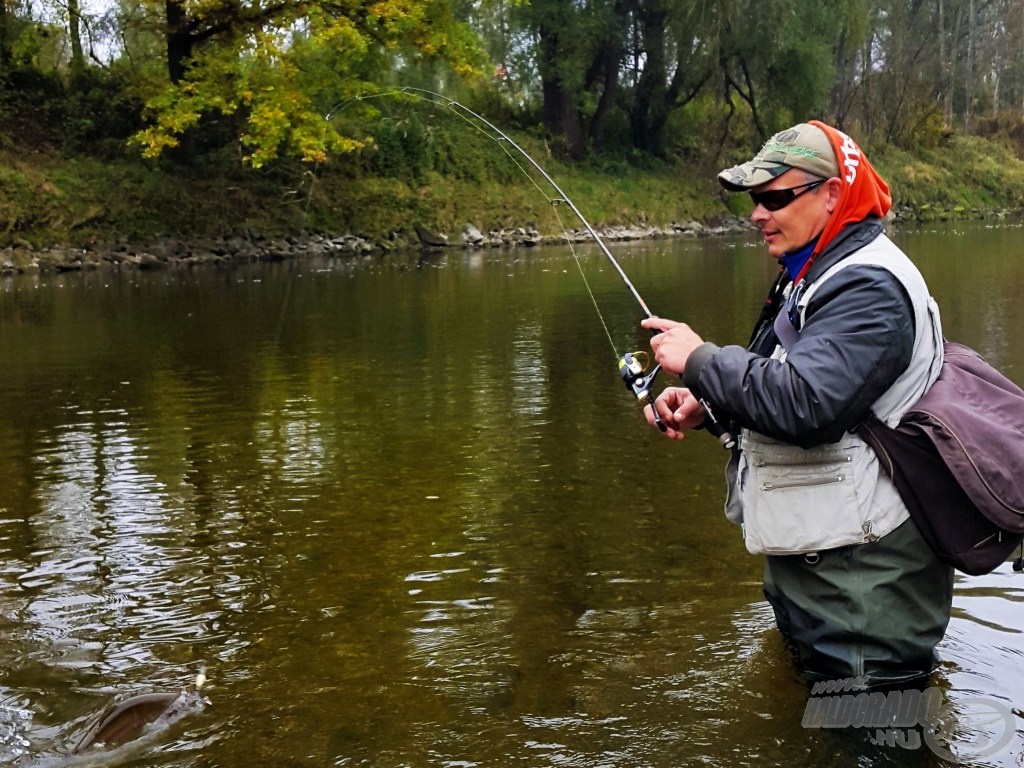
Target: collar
794,260
851,238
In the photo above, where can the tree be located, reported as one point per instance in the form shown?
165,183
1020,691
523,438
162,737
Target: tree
560,69
5,41
777,56
853,35
906,97
280,66
677,52
75,35
569,40
969,74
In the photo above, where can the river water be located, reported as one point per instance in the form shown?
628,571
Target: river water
405,514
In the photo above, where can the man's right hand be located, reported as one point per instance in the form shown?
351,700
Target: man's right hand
680,411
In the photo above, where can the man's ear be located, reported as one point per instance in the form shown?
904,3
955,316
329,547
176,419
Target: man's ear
835,191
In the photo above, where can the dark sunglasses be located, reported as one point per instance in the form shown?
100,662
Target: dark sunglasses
777,199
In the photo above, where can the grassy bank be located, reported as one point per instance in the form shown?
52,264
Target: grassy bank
46,198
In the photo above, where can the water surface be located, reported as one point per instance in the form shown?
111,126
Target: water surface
405,514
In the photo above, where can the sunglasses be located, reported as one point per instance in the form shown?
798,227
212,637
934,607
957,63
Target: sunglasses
777,199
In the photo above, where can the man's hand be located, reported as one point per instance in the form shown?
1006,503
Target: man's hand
674,345
679,411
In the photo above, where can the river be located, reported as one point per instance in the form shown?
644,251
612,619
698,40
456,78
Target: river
404,513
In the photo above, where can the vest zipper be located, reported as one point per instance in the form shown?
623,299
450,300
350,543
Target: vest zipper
803,483
802,461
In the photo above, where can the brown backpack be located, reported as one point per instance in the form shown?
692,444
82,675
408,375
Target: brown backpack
957,460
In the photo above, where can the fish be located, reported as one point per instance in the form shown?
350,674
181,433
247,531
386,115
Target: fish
129,719
125,721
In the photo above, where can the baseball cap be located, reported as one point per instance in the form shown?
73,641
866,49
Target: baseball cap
803,146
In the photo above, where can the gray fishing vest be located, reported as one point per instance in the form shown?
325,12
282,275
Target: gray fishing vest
792,500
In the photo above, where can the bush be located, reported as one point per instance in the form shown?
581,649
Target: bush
99,114
31,105
1007,128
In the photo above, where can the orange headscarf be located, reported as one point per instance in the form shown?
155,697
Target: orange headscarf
864,192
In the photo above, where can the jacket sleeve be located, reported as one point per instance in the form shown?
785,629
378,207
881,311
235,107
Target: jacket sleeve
857,339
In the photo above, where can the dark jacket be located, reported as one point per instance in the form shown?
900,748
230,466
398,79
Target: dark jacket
858,338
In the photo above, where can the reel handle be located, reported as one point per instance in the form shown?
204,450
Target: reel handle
711,423
631,367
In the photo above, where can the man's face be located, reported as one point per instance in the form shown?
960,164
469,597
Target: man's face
799,222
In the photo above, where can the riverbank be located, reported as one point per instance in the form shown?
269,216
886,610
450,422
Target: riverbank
167,252
175,251
61,214
172,252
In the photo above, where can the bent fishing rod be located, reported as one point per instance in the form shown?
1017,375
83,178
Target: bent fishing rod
632,365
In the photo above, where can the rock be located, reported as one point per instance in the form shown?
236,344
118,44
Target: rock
688,228
24,260
472,236
235,245
149,261
431,239
68,265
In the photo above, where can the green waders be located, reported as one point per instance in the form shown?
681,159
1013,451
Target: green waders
874,611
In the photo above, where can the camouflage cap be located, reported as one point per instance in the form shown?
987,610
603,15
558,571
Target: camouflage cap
803,146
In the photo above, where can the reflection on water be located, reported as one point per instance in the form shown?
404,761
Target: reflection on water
405,514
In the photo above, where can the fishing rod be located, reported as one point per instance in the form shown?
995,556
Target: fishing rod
632,366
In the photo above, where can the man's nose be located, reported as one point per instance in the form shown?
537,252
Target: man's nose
759,214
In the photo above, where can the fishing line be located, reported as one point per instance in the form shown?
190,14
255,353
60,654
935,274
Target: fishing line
579,265
632,365
503,142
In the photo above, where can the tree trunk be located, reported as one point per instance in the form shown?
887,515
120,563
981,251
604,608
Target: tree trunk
953,68
749,96
562,121
611,59
75,33
867,89
839,95
944,67
561,117
179,41
606,69
649,113
5,43
179,54
969,74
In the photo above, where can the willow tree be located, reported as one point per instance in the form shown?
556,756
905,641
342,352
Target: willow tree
578,49
278,67
674,49
854,34
777,57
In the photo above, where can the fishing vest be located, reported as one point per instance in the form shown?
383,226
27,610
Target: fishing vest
791,500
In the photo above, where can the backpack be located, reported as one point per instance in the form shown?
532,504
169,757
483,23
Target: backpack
957,460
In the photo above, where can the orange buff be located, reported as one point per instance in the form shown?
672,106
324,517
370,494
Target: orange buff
864,193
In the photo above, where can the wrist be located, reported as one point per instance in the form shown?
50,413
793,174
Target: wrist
696,362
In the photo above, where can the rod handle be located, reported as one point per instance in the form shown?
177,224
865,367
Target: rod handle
715,427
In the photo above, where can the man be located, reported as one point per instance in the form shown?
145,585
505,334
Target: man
848,328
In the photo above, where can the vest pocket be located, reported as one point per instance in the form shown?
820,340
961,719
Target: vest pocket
797,501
